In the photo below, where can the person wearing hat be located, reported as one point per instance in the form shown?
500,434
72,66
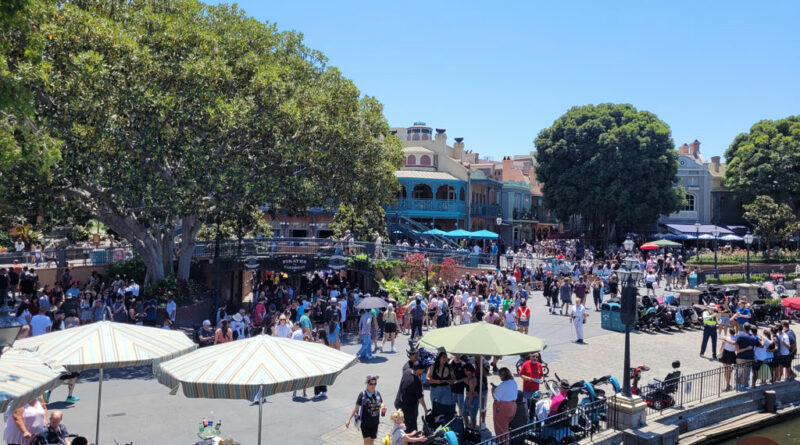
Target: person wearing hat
238,325
283,329
368,410
410,394
555,402
205,335
710,319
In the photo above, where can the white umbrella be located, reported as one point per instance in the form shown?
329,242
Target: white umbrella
108,345
253,369
24,376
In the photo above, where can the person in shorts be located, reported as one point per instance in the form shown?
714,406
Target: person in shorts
368,411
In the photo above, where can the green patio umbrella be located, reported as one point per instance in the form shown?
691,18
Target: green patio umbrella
481,339
665,243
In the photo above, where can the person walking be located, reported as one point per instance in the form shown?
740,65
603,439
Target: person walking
417,315
523,317
578,316
710,318
364,330
390,327
26,423
566,296
597,292
505,404
368,411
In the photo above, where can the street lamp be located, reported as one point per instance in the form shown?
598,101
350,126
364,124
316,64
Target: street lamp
427,264
748,240
629,273
499,222
697,237
716,236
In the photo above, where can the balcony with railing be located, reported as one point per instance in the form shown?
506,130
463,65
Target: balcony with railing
435,205
524,215
488,210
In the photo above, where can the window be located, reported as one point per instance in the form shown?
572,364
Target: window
689,203
461,194
401,194
412,160
446,193
723,203
425,160
422,191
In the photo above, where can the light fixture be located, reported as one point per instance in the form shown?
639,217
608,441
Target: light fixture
748,238
499,221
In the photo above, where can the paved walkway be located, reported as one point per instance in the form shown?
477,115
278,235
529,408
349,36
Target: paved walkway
136,408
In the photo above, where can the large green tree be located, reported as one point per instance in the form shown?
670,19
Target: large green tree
766,161
169,112
362,221
773,221
609,163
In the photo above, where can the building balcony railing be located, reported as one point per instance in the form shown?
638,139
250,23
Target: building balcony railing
524,215
428,204
493,210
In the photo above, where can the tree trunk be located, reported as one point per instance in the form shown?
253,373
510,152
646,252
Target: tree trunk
190,225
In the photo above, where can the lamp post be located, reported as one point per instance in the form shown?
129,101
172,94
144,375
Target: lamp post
697,237
748,240
427,264
629,273
499,222
716,240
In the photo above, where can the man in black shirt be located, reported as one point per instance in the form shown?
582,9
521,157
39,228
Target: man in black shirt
13,280
457,365
410,395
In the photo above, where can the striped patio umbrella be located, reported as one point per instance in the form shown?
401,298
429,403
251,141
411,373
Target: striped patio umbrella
253,368
24,376
108,345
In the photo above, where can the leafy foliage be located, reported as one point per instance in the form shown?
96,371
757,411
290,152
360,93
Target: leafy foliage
150,114
608,162
770,220
363,221
766,161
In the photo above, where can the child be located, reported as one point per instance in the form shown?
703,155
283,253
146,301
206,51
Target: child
399,435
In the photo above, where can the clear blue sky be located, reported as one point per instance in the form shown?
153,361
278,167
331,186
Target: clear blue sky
496,73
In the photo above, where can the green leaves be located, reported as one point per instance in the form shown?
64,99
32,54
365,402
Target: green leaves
774,221
766,161
608,162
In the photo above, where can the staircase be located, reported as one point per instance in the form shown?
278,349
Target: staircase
413,230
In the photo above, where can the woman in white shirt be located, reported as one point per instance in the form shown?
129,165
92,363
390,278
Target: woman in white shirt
505,403
283,329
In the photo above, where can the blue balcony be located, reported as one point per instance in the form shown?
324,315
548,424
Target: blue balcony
488,210
432,208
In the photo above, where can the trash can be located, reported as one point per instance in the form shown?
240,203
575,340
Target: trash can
473,259
99,257
692,281
610,317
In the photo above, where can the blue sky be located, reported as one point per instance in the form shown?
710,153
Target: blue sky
496,73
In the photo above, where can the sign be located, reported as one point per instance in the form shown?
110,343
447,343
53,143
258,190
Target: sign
337,262
251,262
294,264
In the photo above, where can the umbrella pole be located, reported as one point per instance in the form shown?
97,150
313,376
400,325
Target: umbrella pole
260,402
480,397
99,397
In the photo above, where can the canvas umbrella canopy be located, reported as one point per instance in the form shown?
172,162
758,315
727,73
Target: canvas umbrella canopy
481,339
253,369
648,246
665,243
731,238
372,303
24,376
108,345
460,233
484,234
434,232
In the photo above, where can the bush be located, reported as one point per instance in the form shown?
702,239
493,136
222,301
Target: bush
132,269
5,240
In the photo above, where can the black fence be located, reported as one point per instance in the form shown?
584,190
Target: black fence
711,384
570,426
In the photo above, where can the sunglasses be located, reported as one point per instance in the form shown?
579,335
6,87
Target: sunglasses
372,383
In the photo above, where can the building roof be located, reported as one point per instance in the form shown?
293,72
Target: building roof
442,176
690,229
721,171
417,150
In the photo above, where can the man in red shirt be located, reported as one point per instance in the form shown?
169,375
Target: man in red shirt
531,374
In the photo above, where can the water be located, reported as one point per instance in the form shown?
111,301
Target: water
785,433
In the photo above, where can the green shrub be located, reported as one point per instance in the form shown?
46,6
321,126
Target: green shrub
131,269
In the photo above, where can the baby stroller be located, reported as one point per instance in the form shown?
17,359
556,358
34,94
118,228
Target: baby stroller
441,432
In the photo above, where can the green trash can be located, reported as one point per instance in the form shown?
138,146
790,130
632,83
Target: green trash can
99,257
473,259
610,317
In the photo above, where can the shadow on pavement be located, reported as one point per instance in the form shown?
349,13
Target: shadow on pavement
131,373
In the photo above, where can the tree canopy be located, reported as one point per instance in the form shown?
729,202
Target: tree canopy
166,113
772,221
766,161
609,163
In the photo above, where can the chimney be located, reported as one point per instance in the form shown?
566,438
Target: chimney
458,149
715,163
695,148
684,149
441,137
508,164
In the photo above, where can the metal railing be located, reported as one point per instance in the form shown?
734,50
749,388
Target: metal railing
62,257
428,204
707,385
584,421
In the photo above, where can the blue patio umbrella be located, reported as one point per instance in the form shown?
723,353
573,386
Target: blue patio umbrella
484,234
460,233
435,232
731,238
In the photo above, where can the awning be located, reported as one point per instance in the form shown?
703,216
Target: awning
704,229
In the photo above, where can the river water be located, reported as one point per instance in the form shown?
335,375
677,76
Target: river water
785,433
